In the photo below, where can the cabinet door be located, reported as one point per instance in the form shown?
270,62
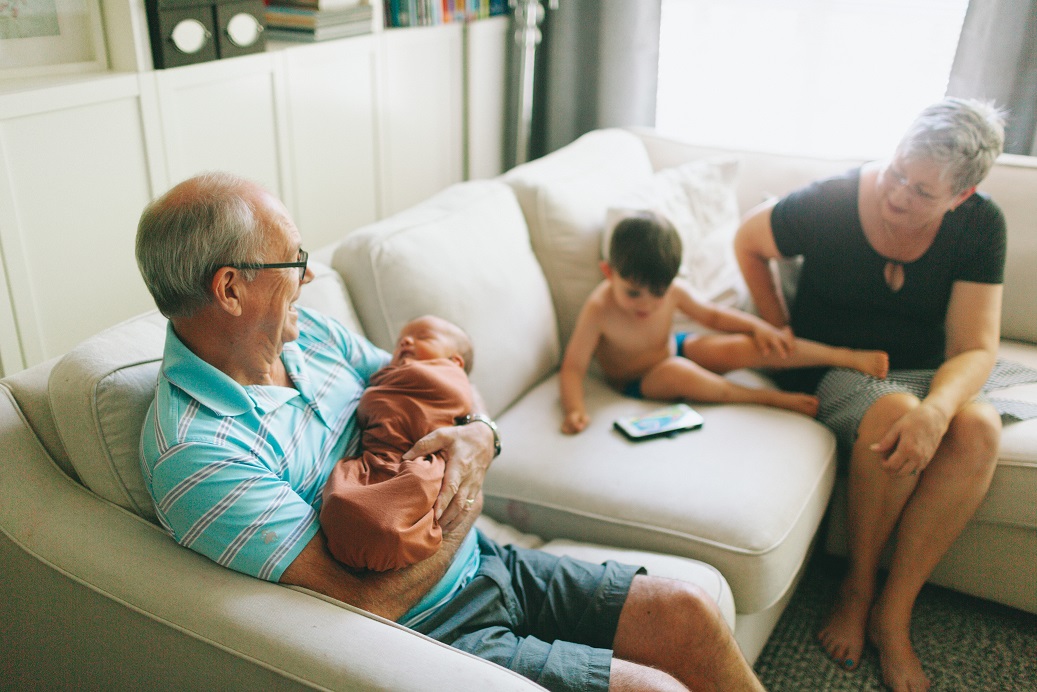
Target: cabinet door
422,113
74,177
223,116
331,126
486,55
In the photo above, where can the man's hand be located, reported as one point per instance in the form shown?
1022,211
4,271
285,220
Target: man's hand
467,451
575,422
910,443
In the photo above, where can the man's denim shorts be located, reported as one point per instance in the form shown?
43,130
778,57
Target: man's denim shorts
551,619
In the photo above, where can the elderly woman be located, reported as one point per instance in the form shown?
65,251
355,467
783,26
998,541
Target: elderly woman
904,256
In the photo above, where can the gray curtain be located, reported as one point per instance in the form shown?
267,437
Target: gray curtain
997,60
597,66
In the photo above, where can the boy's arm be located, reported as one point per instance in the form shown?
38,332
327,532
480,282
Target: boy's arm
578,354
767,337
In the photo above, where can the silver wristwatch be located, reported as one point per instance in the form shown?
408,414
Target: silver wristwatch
472,417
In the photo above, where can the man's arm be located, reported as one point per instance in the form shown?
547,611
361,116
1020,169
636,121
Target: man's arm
389,594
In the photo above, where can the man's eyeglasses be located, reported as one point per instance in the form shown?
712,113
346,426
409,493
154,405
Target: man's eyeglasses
301,264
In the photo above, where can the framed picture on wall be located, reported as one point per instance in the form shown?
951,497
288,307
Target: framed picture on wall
41,37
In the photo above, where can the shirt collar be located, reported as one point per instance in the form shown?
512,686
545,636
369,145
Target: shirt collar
216,390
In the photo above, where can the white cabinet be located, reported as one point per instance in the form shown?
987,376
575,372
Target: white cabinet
74,176
422,114
225,115
344,131
331,131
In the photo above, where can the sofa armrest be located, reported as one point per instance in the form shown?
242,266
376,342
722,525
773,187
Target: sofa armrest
110,575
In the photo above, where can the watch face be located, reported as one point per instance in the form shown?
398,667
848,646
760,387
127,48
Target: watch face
189,36
243,30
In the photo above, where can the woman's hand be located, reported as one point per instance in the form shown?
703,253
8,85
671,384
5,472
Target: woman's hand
911,442
770,339
467,451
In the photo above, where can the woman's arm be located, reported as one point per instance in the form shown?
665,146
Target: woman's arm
754,249
389,594
973,333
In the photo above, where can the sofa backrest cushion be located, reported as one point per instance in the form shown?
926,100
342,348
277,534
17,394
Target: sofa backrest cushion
100,392
565,197
464,255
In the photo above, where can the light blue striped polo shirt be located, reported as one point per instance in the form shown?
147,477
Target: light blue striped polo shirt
236,473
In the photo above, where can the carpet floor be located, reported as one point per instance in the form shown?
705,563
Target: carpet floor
965,643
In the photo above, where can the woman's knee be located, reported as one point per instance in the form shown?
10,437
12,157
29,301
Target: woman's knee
883,413
975,436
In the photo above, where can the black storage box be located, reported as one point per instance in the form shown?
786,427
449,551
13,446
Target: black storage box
185,32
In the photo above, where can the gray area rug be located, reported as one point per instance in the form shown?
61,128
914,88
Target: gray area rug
965,643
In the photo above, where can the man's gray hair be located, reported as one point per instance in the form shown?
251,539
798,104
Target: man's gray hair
185,235
963,135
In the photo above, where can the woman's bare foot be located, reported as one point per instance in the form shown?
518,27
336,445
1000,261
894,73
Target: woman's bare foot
901,668
874,363
843,634
793,401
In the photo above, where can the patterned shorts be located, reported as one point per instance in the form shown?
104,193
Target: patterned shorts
846,395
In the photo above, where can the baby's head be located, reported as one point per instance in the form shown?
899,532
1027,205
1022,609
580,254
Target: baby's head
429,337
645,253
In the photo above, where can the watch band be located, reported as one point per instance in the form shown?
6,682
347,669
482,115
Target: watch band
473,417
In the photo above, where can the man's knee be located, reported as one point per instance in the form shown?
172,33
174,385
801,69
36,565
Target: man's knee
678,605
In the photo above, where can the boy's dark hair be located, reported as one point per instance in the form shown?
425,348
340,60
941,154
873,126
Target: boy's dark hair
646,250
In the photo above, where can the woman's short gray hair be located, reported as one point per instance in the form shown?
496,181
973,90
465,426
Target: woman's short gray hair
185,235
963,135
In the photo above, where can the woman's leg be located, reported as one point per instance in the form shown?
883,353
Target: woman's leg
725,352
681,379
949,492
875,500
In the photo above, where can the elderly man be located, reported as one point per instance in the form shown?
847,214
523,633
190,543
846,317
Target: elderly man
255,403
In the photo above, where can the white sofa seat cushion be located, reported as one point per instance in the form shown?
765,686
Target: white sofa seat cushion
463,255
746,493
100,392
565,197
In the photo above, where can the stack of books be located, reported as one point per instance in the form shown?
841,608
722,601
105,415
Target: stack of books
317,20
400,13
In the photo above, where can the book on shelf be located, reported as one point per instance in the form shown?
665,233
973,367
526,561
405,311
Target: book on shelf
323,5
320,33
278,16
405,13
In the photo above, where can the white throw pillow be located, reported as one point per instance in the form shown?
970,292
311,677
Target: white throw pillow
699,199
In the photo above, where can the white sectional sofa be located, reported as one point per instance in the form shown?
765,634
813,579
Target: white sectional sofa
95,594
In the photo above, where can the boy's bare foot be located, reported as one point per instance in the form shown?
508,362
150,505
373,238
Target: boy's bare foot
874,363
793,401
901,669
843,634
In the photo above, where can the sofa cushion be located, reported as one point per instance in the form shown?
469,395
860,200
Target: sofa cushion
565,197
699,199
464,255
745,493
100,392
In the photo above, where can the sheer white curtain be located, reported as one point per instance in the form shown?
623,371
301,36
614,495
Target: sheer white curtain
823,77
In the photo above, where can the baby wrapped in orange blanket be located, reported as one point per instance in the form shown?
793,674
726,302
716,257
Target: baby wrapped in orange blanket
378,510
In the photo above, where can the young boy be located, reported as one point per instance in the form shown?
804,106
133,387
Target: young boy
377,512
625,325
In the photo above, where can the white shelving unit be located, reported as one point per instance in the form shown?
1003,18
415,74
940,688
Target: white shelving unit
345,131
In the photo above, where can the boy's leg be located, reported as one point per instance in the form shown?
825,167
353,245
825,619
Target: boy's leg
681,379
726,352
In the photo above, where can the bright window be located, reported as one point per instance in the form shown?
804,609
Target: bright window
821,77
